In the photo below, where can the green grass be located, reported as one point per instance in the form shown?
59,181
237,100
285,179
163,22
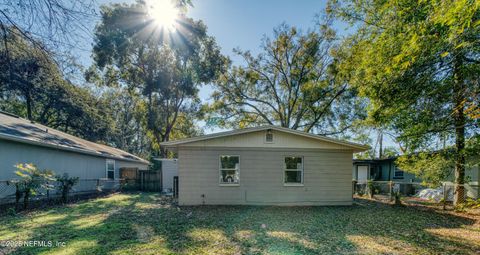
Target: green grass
146,224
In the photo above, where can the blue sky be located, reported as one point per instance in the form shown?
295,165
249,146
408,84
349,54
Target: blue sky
243,24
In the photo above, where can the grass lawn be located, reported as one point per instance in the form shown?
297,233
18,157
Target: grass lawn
146,224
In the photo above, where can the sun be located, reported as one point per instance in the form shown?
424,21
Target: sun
164,13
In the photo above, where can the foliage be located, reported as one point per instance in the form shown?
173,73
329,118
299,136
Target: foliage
435,167
145,223
163,69
128,128
432,168
32,85
470,203
418,64
32,180
373,188
291,83
66,184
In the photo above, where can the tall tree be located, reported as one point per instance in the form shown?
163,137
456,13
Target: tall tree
291,83
163,66
32,85
54,23
418,63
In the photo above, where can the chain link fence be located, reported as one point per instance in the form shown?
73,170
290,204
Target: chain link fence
83,187
447,193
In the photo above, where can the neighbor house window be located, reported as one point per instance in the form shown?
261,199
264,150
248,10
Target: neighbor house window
398,174
229,169
110,169
293,170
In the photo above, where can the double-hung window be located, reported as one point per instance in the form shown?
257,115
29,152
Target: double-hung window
229,169
398,174
293,170
110,168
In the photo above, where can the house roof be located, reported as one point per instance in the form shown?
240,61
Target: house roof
355,146
14,128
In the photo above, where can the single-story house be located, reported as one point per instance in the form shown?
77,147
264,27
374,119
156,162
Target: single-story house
380,170
386,170
266,165
23,141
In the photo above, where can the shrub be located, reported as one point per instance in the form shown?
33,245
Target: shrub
469,203
66,185
31,182
373,188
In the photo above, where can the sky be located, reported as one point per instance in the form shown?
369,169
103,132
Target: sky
243,23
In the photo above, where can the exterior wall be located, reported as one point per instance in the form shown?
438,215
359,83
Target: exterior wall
169,170
257,139
75,164
327,177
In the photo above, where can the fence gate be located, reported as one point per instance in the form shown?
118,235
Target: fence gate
150,180
128,176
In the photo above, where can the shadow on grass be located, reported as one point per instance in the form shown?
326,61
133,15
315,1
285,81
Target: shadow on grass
145,223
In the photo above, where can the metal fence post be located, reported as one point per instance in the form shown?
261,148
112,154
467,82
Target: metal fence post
391,190
444,196
354,186
98,185
48,190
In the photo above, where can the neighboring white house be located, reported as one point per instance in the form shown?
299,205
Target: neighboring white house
266,166
22,141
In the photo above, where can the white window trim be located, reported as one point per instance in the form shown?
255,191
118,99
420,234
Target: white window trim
224,184
293,184
265,139
106,168
395,170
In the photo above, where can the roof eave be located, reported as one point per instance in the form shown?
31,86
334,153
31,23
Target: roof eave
64,148
356,147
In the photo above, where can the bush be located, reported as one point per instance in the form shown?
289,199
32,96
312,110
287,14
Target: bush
373,188
468,204
31,182
66,185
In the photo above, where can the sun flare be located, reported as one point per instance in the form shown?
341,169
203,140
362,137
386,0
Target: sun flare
164,13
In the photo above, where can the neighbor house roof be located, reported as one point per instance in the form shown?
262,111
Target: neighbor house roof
357,147
14,128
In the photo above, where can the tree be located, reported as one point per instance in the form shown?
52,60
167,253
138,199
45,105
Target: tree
128,130
55,23
32,85
163,67
418,63
292,83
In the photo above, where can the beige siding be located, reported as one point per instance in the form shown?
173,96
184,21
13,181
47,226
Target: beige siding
327,177
257,139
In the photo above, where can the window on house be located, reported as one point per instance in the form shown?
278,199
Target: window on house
398,173
293,170
269,136
110,169
229,169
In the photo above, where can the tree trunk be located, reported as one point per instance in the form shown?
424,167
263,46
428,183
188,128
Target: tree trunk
28,99
459,122
26,198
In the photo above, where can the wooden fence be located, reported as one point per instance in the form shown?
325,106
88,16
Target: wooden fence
145,180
